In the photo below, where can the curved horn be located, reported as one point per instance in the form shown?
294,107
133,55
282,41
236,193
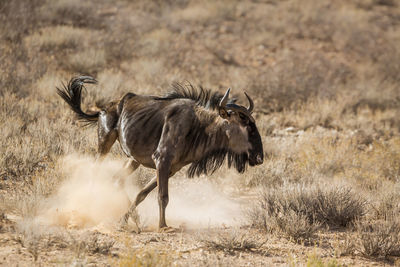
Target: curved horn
224,99
251,106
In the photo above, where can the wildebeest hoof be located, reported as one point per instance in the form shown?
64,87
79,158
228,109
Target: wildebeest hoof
168,229
123,222
123,227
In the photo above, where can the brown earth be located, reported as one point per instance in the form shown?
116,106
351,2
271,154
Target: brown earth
325,79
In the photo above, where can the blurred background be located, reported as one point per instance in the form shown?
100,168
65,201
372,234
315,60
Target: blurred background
307,64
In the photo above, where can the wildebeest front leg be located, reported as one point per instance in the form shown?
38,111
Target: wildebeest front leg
163,157
163,168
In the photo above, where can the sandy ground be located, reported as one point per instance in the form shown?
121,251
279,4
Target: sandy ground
78,225
90,247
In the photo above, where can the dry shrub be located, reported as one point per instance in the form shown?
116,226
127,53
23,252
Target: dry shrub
18,69
31,244
18,17
387,204
30,144
365,109
295,226
375,104
299,211
207,12
363,159
59,37
74,13
155,42
275,172
314,20
30,236
382,163
119,47
145,257
379,238
147,71
297,78
314,260
89,61
369,4
157,7
37,239
27,201
23,150
338,206
344,246
44,87
91,243
232,242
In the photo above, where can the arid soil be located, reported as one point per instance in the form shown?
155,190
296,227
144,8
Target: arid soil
324,76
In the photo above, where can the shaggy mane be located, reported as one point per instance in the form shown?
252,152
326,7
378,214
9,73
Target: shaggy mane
213,161
203,97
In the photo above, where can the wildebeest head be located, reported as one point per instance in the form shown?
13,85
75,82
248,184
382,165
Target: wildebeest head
241,129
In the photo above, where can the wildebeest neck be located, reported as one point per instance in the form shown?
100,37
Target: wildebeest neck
207,145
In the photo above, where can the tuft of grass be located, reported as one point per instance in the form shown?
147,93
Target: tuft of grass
344,246
287,85
91,243
313,260
295,226
145,257
65,12
89,61
378,239
30,236
387,204
300,211
232,242
206,11
58,37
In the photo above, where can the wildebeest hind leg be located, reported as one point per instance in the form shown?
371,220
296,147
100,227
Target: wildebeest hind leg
145,191
127,170
107,134
139,198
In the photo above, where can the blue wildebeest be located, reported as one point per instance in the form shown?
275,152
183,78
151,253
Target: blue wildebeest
186,126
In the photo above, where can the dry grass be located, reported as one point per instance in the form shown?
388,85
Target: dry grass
94,243
232,242
380,239
314,260
89,61
327,107
59,37
145,257
299,211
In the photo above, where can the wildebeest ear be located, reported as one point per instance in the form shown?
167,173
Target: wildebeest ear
223,113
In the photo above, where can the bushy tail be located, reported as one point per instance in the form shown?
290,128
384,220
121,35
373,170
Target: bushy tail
72,94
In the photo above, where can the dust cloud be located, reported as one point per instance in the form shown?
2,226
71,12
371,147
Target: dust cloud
89,198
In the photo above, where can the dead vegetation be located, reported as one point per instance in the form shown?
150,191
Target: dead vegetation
300,211
378,238
231,242
145,258
325,78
